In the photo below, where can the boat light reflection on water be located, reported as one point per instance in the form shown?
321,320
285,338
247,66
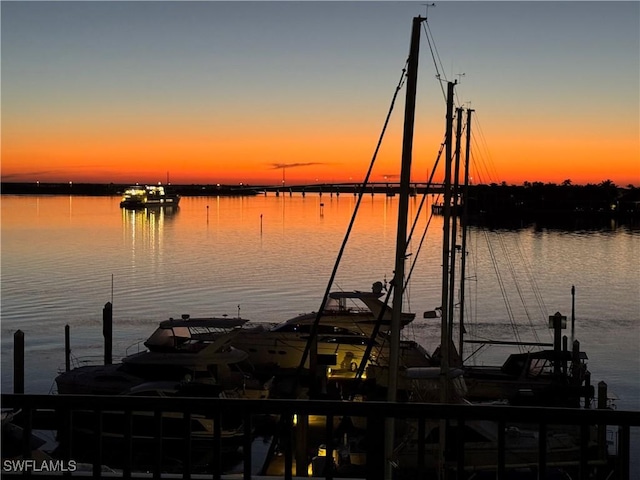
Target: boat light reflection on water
146,226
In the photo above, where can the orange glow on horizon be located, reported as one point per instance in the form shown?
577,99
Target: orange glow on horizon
331,155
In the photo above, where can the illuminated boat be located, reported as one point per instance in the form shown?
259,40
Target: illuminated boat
138,196
347,326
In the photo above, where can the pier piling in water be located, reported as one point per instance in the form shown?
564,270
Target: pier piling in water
18,362
107,332
67,348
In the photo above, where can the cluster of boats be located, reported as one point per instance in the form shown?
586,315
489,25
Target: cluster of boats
236,358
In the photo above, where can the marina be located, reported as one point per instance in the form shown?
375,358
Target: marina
152,231
344,355
371,391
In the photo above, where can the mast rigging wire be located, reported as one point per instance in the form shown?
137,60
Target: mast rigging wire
434,56
314,328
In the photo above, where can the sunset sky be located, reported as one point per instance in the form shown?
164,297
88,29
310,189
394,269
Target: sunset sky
230,92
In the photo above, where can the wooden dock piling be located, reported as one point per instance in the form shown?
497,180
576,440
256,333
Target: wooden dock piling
107,332
18,362
67,348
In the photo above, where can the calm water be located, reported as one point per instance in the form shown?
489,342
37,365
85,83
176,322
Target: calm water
270,257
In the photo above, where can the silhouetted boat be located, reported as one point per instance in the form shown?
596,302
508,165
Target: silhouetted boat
345,329
185,350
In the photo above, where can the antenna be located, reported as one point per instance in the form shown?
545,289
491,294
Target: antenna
460,75
426,6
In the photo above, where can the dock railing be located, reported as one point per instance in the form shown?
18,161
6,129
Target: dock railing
92,423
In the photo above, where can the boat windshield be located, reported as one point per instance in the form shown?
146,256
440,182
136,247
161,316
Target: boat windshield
345,304
167,338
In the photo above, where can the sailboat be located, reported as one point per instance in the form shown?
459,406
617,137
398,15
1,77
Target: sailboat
480,438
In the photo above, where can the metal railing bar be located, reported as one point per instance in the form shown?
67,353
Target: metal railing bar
217,445
422,431
186,460
247,448
27,431
584,451
624,452
128,444
66,442
328,464
501,472
542,451
157,441
566,416
98,444
287,445
460,475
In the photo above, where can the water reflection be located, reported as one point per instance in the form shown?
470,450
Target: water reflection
568,223
145,226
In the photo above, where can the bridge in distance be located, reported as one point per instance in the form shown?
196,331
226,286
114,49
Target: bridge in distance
386,188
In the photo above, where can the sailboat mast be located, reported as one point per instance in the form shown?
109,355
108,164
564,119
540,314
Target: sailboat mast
403,207
454,220
465,211
444,328
401,241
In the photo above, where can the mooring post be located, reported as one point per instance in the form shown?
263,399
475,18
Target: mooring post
602,395
588,396
575,361
565,348
107,331
557,321
18,362
573,312
67,348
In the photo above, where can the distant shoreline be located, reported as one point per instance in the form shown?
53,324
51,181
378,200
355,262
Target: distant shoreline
115,189
531,201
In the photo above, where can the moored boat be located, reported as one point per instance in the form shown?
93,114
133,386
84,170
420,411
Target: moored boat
346,327
183,350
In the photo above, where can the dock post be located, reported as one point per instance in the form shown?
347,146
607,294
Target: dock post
557,322
565,348
575,360
18,362
588,396
573,312
67,348
602,395
107,331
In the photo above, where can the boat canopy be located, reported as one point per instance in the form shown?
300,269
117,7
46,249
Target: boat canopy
213,322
